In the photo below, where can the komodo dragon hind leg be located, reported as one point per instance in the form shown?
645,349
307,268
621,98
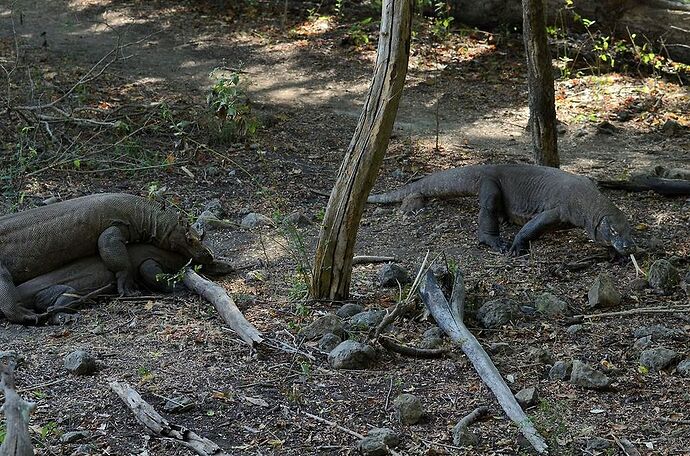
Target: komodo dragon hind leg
113,250
490,209
10,303
538,225
151,273
58,298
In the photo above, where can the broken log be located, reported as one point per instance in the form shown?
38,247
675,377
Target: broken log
224,304
158,426
644,183
448,317
17,411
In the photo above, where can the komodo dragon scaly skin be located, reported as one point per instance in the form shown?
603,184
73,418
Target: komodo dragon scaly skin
42,239
539,197
46,293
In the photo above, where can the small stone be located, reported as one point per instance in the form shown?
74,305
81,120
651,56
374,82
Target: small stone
254,219
256,276
372,447
298,219
588,377
550,305
74,436
351,354
561,370
574,329
366,320
408,408
527,397
598,444
539,356
215,207
639,284
390,275
80,362
329,323
329,341
494,314
642,343
602,293
463,436
498,348
658,332
658,358
663,276
683,368
606,128
179,404
385,435
432,338
348,310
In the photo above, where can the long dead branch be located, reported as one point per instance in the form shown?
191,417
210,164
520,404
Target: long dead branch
158,426
17,411
224,304
448,317
413,352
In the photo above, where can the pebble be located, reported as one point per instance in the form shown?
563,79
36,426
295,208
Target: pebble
366,320
603,293
179,404
74,436
663,276
658,358
378,441
329,341
298,219
574,329
527,397
586,376
329,323
683,368
550,305
494,314
390,275
561,370
80,362
348,310
642,342
408,408
351,354
254,219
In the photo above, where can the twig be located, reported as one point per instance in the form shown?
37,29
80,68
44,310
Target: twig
640,311
368,259
625,445
462,428
414,352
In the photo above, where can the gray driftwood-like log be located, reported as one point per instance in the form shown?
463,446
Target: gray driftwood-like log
17,411
224,304
360,166
158,426
542,102
448,317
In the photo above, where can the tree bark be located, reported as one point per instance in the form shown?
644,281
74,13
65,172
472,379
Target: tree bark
358,171
542,103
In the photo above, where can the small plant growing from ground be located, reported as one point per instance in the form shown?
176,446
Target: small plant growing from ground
231,108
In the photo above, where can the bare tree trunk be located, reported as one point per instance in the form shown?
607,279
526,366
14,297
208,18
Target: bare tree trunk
542,103
333,262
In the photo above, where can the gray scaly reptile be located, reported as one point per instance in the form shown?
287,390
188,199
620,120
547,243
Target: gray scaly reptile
539,197
42,239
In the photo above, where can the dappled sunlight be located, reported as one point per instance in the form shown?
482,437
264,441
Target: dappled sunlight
314,27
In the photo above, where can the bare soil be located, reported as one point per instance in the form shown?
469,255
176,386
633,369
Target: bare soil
307,85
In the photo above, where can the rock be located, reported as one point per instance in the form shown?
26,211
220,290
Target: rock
179,404
432,338
386,435
366,320
663,276
550,305
497,348
606,128
80,362
602,293
658,358
207,220
391,274
329,323
658,332
74,436
683,368
587,377
574,329
561,370
598,444
463,436
527,397
254,219
329,341
408,408
642,343
539,356
298,219
639,284
671,127
378,441
256,276
351,354
348,310
494,314
372,447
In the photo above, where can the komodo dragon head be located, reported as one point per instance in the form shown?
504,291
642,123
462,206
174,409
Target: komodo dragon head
614,229
186,240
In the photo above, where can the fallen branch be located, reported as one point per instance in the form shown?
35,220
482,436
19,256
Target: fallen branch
462,428
448,318
640,311
413,352
369,259
16,410
158,426
224,304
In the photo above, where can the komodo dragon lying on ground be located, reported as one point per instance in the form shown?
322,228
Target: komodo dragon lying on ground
539,197
55,291
665,181
42,239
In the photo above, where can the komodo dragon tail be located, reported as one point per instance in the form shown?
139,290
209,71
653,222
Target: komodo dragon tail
448,183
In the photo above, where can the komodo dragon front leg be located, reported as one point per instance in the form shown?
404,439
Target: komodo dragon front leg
538,225
112,246
10,302
490,211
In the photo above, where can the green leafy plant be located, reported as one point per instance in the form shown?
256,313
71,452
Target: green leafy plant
358,34
230,105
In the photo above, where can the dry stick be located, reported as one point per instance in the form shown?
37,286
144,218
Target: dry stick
368,259
414,352
463,425
625,445
17,411
158,426
641,310
224,304
448,319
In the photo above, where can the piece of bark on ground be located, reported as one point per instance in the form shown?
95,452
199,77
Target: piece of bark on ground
17,411
448,317
158,426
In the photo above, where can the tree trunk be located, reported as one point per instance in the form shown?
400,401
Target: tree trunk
662,21
358,171
542,103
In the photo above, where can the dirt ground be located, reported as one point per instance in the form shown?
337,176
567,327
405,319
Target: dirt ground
308,84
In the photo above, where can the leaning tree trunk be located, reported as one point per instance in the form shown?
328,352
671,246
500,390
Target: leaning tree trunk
358,171
542,103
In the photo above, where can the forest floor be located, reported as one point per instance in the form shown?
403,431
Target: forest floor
307,85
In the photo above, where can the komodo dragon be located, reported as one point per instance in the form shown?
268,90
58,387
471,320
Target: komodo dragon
665,181
539,197
54,291
42,239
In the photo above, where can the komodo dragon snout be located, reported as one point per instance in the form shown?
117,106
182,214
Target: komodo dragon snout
185,239
615,230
